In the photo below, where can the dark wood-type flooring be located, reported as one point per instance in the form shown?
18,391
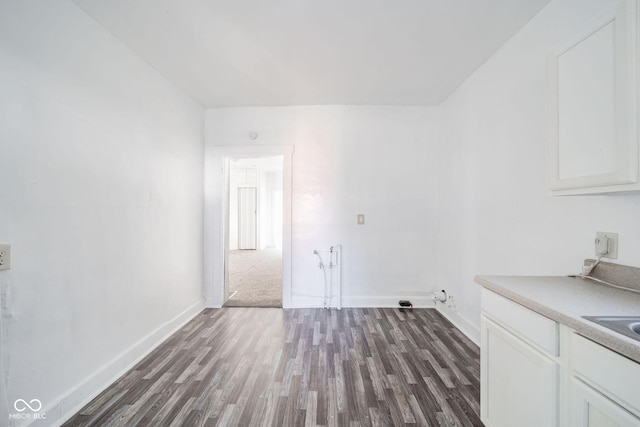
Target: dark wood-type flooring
300,367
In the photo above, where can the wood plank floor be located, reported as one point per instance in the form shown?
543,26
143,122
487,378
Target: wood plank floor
300,367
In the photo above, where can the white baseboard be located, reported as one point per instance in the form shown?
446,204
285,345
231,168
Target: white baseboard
367,301
74,400
386,301
469,329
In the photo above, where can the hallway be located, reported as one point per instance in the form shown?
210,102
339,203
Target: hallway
255,278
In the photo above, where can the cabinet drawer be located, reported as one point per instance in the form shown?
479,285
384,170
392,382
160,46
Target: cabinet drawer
527,324
614,375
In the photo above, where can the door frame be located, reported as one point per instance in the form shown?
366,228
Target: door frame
216,217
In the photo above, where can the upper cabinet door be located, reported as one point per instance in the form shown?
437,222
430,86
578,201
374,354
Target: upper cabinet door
592,94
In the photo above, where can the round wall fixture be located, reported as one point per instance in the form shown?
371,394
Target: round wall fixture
253,135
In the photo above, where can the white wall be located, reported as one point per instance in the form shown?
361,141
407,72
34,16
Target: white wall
379,161
101,164
495,214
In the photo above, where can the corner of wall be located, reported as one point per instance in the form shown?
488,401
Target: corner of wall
466,327
83,393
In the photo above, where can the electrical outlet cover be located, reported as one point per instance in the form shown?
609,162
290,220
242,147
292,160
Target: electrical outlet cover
5,257
613,244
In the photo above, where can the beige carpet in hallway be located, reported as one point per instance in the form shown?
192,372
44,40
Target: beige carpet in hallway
255,278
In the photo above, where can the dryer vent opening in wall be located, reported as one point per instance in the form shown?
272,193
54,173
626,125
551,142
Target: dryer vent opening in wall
440,296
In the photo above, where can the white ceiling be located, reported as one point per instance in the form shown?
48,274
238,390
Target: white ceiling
299,52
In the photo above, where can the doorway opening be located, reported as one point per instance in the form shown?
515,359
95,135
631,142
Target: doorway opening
254,226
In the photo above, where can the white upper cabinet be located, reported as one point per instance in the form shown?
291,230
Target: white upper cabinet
592,95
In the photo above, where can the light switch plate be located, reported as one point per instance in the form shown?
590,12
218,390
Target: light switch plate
360,219
5,257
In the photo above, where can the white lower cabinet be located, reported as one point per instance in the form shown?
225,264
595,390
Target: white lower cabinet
518,370
592,409
535,373
604,386
523,381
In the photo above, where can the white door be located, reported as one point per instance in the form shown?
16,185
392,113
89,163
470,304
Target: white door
247,218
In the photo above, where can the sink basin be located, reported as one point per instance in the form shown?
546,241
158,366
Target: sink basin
628,326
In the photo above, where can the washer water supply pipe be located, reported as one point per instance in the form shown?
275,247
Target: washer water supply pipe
334,261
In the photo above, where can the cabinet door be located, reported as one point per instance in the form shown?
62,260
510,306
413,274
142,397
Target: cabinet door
592,108
518,383
592,409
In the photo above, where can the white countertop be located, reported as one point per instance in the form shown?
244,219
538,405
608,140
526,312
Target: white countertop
567,299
